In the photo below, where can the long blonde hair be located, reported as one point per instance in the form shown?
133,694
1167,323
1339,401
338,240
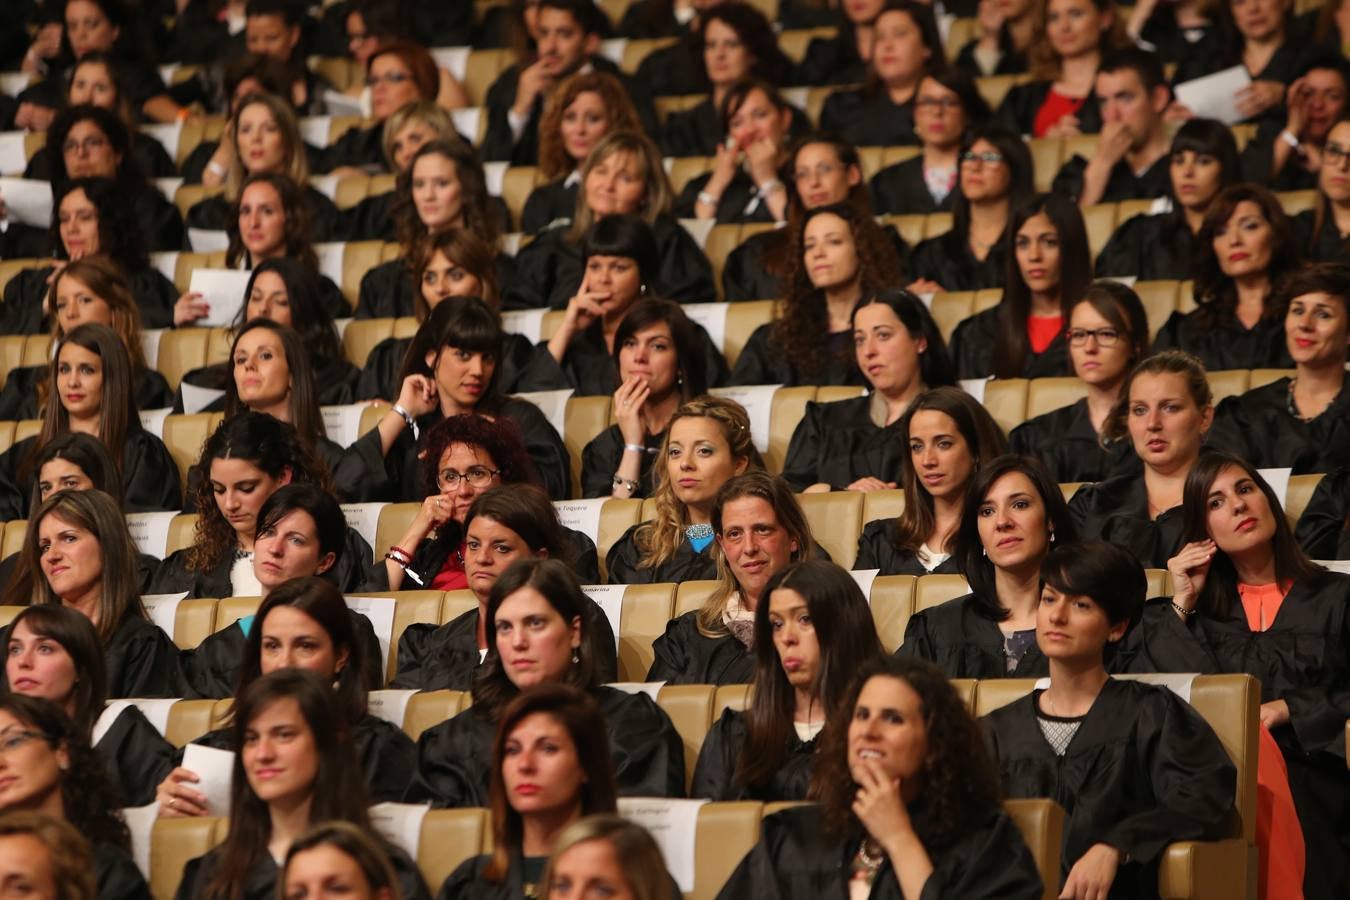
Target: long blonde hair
657,196
297,164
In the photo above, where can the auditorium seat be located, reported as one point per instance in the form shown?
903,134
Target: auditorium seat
836,522
184,436
986,298
1159,582
789,405
932,590
646,610
14,533
189,720
683,169
725,833
180,351
409,607
219,341
951,308
428,708
731,696
635,51
1295,202
1006,401
231,609
742,320
882,505
26,428
1228,383
176,842
690,595
517,183
395,518
1158,297
675,103
448,838
37,350
11,352
583,419
911,227
193,622
455,603
1041,822
358,258
892,603
6,435
965,689
794,41
1046,158
690,708
1046,394
1300,491
1069,488
993,88
361,336
1261,377
11,267
7,614
182,533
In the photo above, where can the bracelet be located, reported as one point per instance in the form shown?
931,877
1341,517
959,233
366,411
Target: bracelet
630,486
217,169
401,563
768,187
395,548
408,420
1183,610
634,448
705,197
1290,138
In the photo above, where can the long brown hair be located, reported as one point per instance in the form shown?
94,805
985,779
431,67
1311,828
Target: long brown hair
295,164
296,231
467,251
473,199
1215,292
105,280
304,395
554,161
1165,362
77,636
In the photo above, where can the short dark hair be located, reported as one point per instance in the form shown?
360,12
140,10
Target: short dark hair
588,14
526,510
1106,572
322,507
935,363
465,323
688,348
1141,62
75,633
1330,278
624,235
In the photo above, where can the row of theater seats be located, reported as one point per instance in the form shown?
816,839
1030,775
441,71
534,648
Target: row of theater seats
726,831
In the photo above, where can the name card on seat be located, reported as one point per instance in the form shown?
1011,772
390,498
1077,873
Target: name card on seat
169,134
609,597
581,515
150,531
13,156
163,609
528,323
758,402
713,318
342,423
364,518
390,705
400,824
553,404
196,399
864,578
1278,479
380,612
152,420
331,254
673,824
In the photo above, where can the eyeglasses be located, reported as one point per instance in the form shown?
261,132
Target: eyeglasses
988,157
1105,337
13,739
934,104
821,170
88,145
387,78
1335,154
477,476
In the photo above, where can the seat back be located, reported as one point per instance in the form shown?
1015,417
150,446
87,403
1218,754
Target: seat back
448,838
189,720
1300,491
1159,582
932,590
1100,221
583,419
690,708
836,522
182,530
742,320
193,622
691,595
965,689
231,609
1228,383
616,517
786,411
949,308
173,843
428,708
892,602
1041,822
1046,394
996,693
15,531
183,437
8,613
646,610
725,833
180,351
1159,299
394,521
423,607
1231,706
455,603
731,696
1006,400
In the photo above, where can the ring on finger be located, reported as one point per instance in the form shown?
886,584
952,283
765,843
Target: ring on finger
173,803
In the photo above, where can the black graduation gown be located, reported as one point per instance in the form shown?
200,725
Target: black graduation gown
867,117
520,368
431,556
149,474
589,369
964,644
141,660
1021,104
549,271
762,361
467,881
454,758
972,348
359,147
715,773
1327,245
795,860
137,756
1258,427
549,204
733,206
1285,65
1123,183
686,565
901,190
647,19
116,874
686,656
1226,344
372,219
1144,770
261,881
831,60
1322,529
601,457
676,70
750,271
1258,161
877,550
698,131
18,398
1010,60
1116,510
947,260
1149,247
838,443
21,312
213,213
1071,449
149,153
1174,44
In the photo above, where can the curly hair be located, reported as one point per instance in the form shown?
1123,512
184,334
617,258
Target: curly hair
91,800
475,214
499,438
960,779
658,538
1215,292
120,237
801,318
554,160
297,228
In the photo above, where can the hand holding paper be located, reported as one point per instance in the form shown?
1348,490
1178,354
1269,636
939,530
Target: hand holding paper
223,292
215,772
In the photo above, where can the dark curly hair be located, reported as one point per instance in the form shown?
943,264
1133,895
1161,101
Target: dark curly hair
767,60
120,237
92,801
108,121
801,318
297,227
960,780
500,438
475,214
1215,292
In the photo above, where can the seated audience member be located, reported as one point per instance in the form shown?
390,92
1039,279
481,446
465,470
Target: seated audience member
1324,528
567,40
1012,518
503,524
856,444
1157,245
275,29
707,442
338,852
1322,229
1175,31
744,184
536,613
304,624
91,378
1299,422
623,175
1107,334
1314,103
289,720
51,770
906,46
398,73
1048,268
242,77
50,854
79,542
551,737
842,58
580,111
899,748
89,216
1131,161
759,529
993,179
1243,253
368,25
678,69
949,434
91,289
659,355
1006,31
812,630
1166,409
1136,767
947,105
53,652
838,255
611,853
1064,58
735,42
1247,599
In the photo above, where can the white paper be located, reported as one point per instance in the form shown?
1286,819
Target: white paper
342,325
673,824
330,255
650,688
141,823
864,578
223,289
581,515
974,387
510,243
150,531
167,71
1335,565
609,597
797,96
169,134
152,420
713,318
389,705
1214,96
613,49
342,423
364,518
1278,479
326,185
553,404
314,130
400,824
454,60
163,609
156,711
528,323
13,157
699,229
14,83
1127,280
106,719
168,186
494,173
27,201
208,240
927,299
196,399
339,104
758,402
166,264
215,771
466,121
380,612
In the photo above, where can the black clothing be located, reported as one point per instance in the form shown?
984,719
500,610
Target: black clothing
154,161
1071,449
1284,67
334,382
454,758
698,131
901,190
137,756
521,367
1010,60
947,260
763,361
467,881
141,660
431,556
1149,247
961,642
601,457
1021,104
686,656
1143,770
794,860
549,204
1123,184
372,219
1259,428
19,400
715,775
838,443
832,60
149,474
162,227
1258,161
756,269
877,550
213,214
1226,344
21,312
1116,510
1174,44
675,70
733,206
686,565
116,874
1328,245
359,147
1322,530
261,881
589,369
972,348
867,117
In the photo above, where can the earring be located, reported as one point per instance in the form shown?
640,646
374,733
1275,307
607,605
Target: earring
642,289
1052,537
984,551
576,657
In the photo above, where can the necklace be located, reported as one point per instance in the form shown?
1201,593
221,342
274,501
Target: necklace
867,861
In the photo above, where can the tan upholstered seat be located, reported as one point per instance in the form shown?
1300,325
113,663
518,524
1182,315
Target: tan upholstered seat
1159,582
455,603
950,308
361,336
646,610
742,320
6,431
395,519
448,838
1046,394
517,184
789,405
1006,401
1158,297
892,603
882,505
931,590
1041,822
7,614
965,689
180,351
1301,488
193,622
1100,221
1228,383
725,833
183,437
182,530
616,517
690,708
231,609
189,720
26,428
690,595
15,531
583,419
1261,377
429,708
409,607
731,696
175,842
836,522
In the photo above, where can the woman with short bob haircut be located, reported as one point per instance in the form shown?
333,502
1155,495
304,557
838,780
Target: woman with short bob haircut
558,645
811,633
1014,513
917,815
63,866
541,721
311,862
632,860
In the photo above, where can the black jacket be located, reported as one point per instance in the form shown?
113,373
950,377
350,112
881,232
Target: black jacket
149,474
1070,447
715,775
21,312
733,206
601,457
763,361
901,190
686,656
622,563
18,398
869,118
1322,530
1123,184
549,204
1226,344
877,550
1021,104
116,874
1258,427
1150,247
961,642
972,347
137,756
1116,510
838,443
588,368
213,214
947,260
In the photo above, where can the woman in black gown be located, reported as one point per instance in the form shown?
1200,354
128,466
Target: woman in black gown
1322,229
1324,528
